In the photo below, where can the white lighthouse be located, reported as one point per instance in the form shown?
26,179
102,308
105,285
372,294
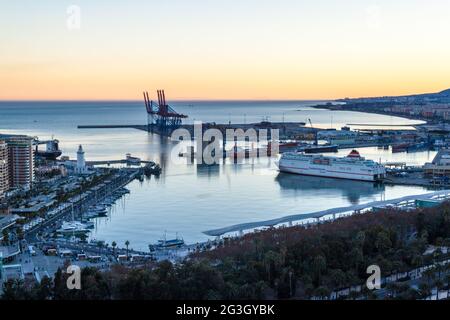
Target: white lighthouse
81,162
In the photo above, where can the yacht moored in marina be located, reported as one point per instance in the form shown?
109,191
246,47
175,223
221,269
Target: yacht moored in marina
73,227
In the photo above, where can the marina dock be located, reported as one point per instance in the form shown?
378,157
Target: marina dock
285,128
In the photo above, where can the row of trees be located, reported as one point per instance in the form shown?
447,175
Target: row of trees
294,262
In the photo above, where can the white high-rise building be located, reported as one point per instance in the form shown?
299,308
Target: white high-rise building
81,162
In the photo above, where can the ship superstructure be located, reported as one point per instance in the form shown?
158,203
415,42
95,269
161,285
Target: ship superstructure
352,167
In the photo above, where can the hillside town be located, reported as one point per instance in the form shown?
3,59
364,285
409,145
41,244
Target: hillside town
434,107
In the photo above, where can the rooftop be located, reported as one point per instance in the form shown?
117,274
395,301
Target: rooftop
8,221
9,251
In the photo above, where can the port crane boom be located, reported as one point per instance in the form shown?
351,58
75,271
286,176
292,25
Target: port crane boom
161,114
316,138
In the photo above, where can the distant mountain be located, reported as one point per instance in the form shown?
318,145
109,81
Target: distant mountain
445,93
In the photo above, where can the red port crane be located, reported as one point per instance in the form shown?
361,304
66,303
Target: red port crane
161,114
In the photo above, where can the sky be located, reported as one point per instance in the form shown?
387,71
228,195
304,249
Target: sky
222,49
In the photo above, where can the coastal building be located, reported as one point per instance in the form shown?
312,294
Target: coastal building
81,162
4,209
4,168
341,137
21,161
440,166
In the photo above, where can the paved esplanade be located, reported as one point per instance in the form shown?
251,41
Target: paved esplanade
320,214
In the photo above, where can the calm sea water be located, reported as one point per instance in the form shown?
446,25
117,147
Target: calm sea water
189,199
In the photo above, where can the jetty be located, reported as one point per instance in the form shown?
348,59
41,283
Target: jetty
285,128
114,126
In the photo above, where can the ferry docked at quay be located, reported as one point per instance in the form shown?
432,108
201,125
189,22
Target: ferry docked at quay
353,166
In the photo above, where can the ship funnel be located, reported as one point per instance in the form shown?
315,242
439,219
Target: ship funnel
354,154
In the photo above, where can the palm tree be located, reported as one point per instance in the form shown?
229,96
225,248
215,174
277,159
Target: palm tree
436,260
127,243
447,280
20,237
5,235
323,293
439,284
429,276
83,237
272,262
424,290
114,245
319,264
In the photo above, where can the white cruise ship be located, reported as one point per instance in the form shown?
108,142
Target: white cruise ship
352,167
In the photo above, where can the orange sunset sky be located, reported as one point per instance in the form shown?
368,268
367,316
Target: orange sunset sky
286,49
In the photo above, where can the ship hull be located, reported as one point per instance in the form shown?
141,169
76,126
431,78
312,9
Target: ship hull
320,149
49,155
328,174
352,167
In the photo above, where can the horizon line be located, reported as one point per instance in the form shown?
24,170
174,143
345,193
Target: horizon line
220,99
174,100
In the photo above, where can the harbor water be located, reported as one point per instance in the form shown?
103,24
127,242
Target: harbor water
187,198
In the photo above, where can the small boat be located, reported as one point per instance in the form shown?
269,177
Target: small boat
324,148
89,224
97,242
99,211
170,244
102,213
417,147
132,160
173,243
73,227
99,208
91,215
284,146
108,202
401,147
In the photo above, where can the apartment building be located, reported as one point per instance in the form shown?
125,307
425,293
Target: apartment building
20,160
4,168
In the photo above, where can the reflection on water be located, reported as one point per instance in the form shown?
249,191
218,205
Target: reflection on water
209,171
191,198
352,190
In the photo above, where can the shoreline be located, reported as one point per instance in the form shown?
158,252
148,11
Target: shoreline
382,113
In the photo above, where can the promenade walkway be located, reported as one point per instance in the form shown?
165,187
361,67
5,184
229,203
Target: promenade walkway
331,213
